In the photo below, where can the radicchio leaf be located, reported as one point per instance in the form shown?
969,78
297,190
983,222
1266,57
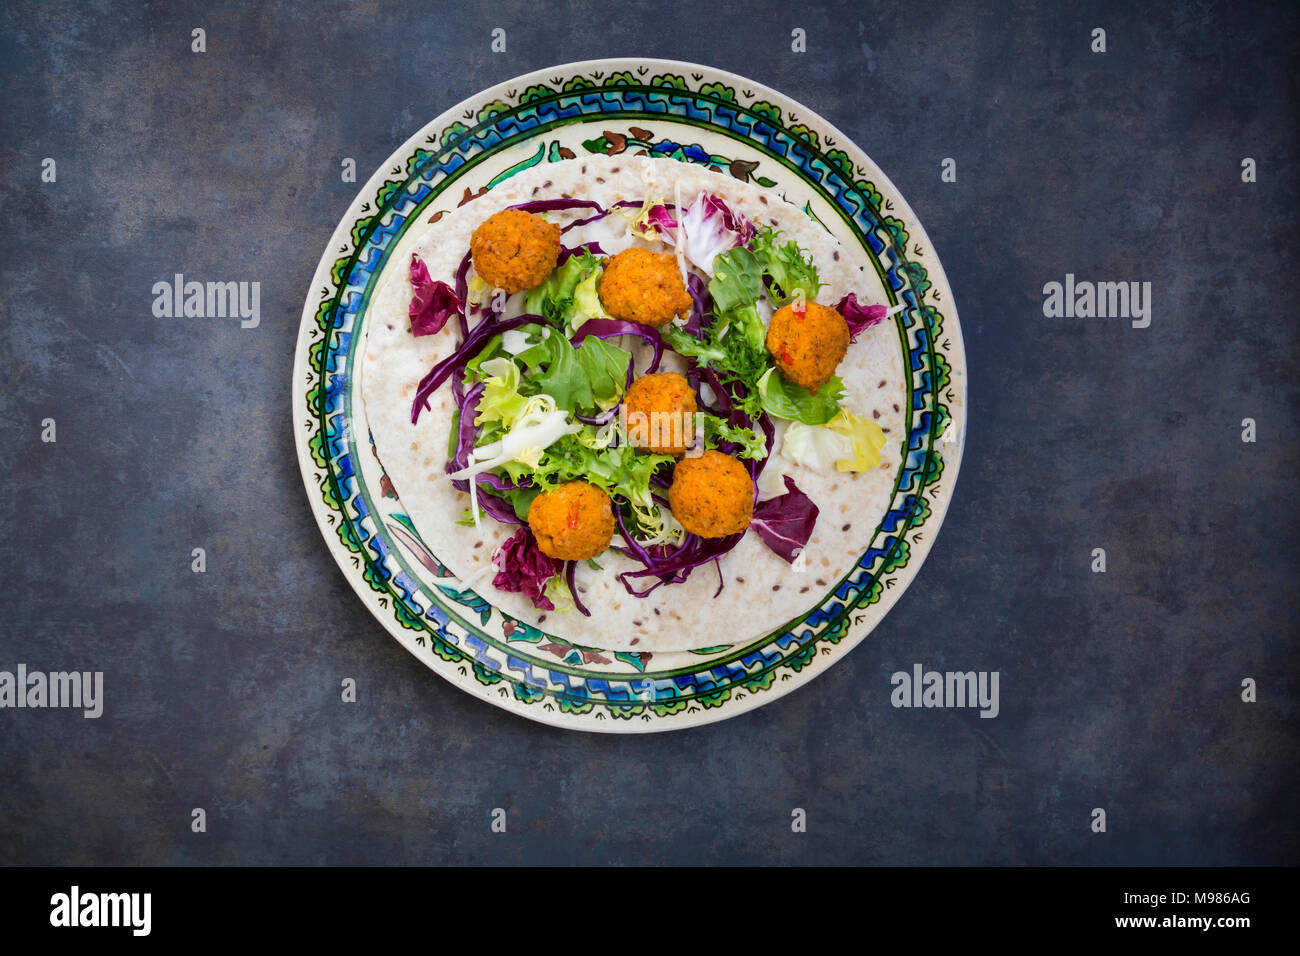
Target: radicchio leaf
785,523
711,227
522,568
859,316
432,303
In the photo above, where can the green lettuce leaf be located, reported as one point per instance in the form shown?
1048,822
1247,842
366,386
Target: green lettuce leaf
787,400
569,292
586,379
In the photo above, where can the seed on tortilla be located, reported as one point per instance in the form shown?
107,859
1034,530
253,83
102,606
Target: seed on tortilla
643,286
776,587
573,522
895,408
821,583
882,384
804,589
656,610
846,527
875,414
515,250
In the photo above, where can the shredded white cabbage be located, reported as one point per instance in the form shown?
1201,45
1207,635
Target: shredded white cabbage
534,430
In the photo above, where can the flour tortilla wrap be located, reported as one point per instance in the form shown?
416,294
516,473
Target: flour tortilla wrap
761,589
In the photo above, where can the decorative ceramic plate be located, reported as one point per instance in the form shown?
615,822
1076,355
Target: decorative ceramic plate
663,108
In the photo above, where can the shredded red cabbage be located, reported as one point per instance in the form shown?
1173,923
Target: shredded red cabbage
569,573
551,205
701,305
457,360
432,303
466,438
785,523
671,565
554,205
566,252
612,328
522,568
860,316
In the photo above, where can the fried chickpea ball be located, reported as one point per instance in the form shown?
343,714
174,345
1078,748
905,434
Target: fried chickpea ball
660,410
515,250
807,343
712,495
643,286
572,522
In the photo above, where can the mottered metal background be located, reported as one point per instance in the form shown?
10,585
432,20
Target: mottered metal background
1119,690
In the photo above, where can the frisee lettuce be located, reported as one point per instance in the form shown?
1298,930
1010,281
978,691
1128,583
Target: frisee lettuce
752,441
793,275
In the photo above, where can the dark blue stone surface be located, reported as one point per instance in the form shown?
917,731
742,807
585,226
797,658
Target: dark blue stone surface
1118,690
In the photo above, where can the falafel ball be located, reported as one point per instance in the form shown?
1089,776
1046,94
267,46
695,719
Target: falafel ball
807,343
572,522
515,250
712,495
667,402
643,286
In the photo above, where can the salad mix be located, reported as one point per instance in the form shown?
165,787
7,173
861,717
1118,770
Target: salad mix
538,394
